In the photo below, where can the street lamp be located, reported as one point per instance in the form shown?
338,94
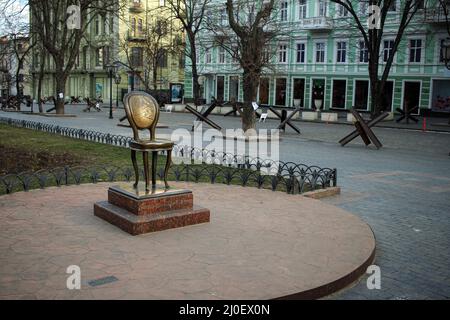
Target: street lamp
446,53
111,70
117,79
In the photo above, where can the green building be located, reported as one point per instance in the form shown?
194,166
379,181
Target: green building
322,52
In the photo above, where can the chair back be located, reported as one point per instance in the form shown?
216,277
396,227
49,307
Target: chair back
142,112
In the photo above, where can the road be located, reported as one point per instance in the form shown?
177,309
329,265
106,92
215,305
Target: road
402,191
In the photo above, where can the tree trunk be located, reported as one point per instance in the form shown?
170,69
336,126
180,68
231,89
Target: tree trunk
250,83
155,76
195,84
39,89
60,88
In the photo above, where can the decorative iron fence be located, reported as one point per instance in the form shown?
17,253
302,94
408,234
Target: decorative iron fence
203,166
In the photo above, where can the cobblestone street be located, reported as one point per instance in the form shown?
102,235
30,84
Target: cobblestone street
402,191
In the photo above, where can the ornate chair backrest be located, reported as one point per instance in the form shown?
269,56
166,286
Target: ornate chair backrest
142,112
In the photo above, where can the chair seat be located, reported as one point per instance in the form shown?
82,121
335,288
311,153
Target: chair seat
151,145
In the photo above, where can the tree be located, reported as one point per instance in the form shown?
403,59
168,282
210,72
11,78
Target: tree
249,40
191,14
16,47
445,5
51,26
373,38
155,44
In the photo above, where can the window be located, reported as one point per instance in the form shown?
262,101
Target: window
341,52
363,52
320,52
341,11
181,60
133,25
162,58
208,57
393,6
162,3
106,57
111,24
97,27
137,57
223,17
282,53
284,10
301,53
221,55
140,25
322,8
363,7
441,51
302,9
388,47
415,50
99,57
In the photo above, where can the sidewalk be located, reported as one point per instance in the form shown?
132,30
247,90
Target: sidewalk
433,124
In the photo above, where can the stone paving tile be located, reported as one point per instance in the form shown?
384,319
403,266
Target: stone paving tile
257,248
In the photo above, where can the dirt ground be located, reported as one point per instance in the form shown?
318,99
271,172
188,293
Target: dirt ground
14,160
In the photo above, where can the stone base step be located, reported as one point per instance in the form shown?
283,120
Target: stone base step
139,224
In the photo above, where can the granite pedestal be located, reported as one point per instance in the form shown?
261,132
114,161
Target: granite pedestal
137,211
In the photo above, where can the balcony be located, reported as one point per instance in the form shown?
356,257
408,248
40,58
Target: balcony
435,15
136,7
136,36
318,24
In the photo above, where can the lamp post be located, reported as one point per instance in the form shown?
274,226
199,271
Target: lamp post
117,80
111,69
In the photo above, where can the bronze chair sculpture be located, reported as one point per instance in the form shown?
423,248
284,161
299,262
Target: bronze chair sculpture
142,112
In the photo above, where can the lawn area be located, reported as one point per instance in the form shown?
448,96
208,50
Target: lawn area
26,149
69,160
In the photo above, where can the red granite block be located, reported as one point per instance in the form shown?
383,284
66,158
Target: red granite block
139,224
151,205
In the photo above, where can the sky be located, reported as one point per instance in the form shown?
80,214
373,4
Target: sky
14,17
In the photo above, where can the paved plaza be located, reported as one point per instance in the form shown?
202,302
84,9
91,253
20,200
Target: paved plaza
274,246
402,191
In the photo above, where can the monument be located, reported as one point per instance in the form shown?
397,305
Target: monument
140,207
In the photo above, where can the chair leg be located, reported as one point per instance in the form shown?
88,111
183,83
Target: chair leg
135,166
166,169
154,163
146,173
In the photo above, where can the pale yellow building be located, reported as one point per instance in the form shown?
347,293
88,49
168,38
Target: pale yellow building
108,40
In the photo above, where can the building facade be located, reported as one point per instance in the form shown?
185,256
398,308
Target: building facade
14,66
321,60
110,38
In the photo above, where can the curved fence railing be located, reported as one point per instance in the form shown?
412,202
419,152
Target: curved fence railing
222,167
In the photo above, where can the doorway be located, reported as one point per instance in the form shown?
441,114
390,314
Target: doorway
387,97
299,92
280,92
411,96
264,91
220,88
233,93
361,95
317,93
339,94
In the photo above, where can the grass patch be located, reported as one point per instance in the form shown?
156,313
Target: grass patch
27,149
39,159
